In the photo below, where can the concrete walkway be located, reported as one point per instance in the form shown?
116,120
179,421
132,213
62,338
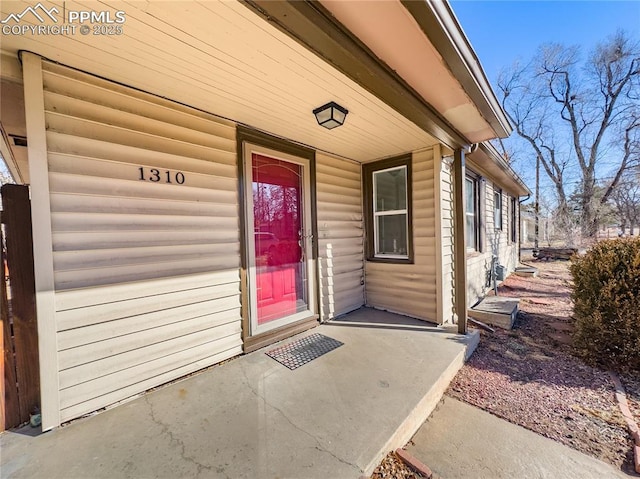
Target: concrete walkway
334,417
462,441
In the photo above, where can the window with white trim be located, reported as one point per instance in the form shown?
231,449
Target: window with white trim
497,209
472,211
387,186
390,219
514,219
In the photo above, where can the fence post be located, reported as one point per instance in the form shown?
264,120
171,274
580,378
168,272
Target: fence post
17,219
9,405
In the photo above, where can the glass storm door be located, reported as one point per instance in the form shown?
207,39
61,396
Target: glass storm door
279,239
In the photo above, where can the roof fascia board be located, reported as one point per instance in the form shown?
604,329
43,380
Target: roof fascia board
509,176
440,26
495,155
311,25
495,176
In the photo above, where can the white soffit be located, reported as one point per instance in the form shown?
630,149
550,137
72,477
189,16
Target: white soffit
222,58
390,31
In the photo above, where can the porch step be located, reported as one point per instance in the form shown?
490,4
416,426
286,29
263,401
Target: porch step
497,311
526,271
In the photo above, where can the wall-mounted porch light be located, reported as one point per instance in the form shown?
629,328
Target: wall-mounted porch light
330,115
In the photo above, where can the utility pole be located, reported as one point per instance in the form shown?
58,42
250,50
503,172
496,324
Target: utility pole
536,206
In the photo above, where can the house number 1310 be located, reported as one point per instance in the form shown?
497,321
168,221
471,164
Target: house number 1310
157,176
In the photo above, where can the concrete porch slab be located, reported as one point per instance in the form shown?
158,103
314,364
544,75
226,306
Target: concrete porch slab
496,310
252,417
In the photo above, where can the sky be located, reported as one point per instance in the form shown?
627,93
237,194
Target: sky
503,31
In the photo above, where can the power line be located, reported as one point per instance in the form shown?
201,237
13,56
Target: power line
577,182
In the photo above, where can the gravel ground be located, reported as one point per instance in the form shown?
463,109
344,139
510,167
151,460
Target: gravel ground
392,467
529,377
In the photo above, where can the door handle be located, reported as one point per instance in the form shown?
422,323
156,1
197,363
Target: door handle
302,239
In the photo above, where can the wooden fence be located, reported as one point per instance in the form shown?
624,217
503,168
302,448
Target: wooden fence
20,387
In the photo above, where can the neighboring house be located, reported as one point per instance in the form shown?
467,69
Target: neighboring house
187,206
547,234
528,227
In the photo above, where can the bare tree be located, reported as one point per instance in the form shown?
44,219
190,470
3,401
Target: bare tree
629,131
626,201
507,151
566,109
525,104
5,177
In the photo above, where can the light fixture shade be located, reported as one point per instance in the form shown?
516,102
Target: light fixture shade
330,115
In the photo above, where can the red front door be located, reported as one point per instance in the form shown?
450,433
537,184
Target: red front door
278,210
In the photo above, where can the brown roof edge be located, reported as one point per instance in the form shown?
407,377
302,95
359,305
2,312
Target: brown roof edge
494,155
441,27
311,25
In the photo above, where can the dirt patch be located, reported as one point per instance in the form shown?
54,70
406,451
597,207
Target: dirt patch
529,377
392,467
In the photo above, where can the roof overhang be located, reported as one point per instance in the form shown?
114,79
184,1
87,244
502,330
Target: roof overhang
344,47
413,55
485,159
308,58
440,25
222,58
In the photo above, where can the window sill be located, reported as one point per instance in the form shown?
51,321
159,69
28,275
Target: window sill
473,254
390,260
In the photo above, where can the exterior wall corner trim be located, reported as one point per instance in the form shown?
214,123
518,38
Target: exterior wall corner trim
42,240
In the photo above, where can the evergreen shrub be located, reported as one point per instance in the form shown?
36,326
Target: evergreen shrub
606,296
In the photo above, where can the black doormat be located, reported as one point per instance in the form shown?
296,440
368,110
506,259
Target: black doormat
304,350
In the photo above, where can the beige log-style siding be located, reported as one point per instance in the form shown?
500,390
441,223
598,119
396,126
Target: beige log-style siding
496,242
146,273
340,235
411,288
493,241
